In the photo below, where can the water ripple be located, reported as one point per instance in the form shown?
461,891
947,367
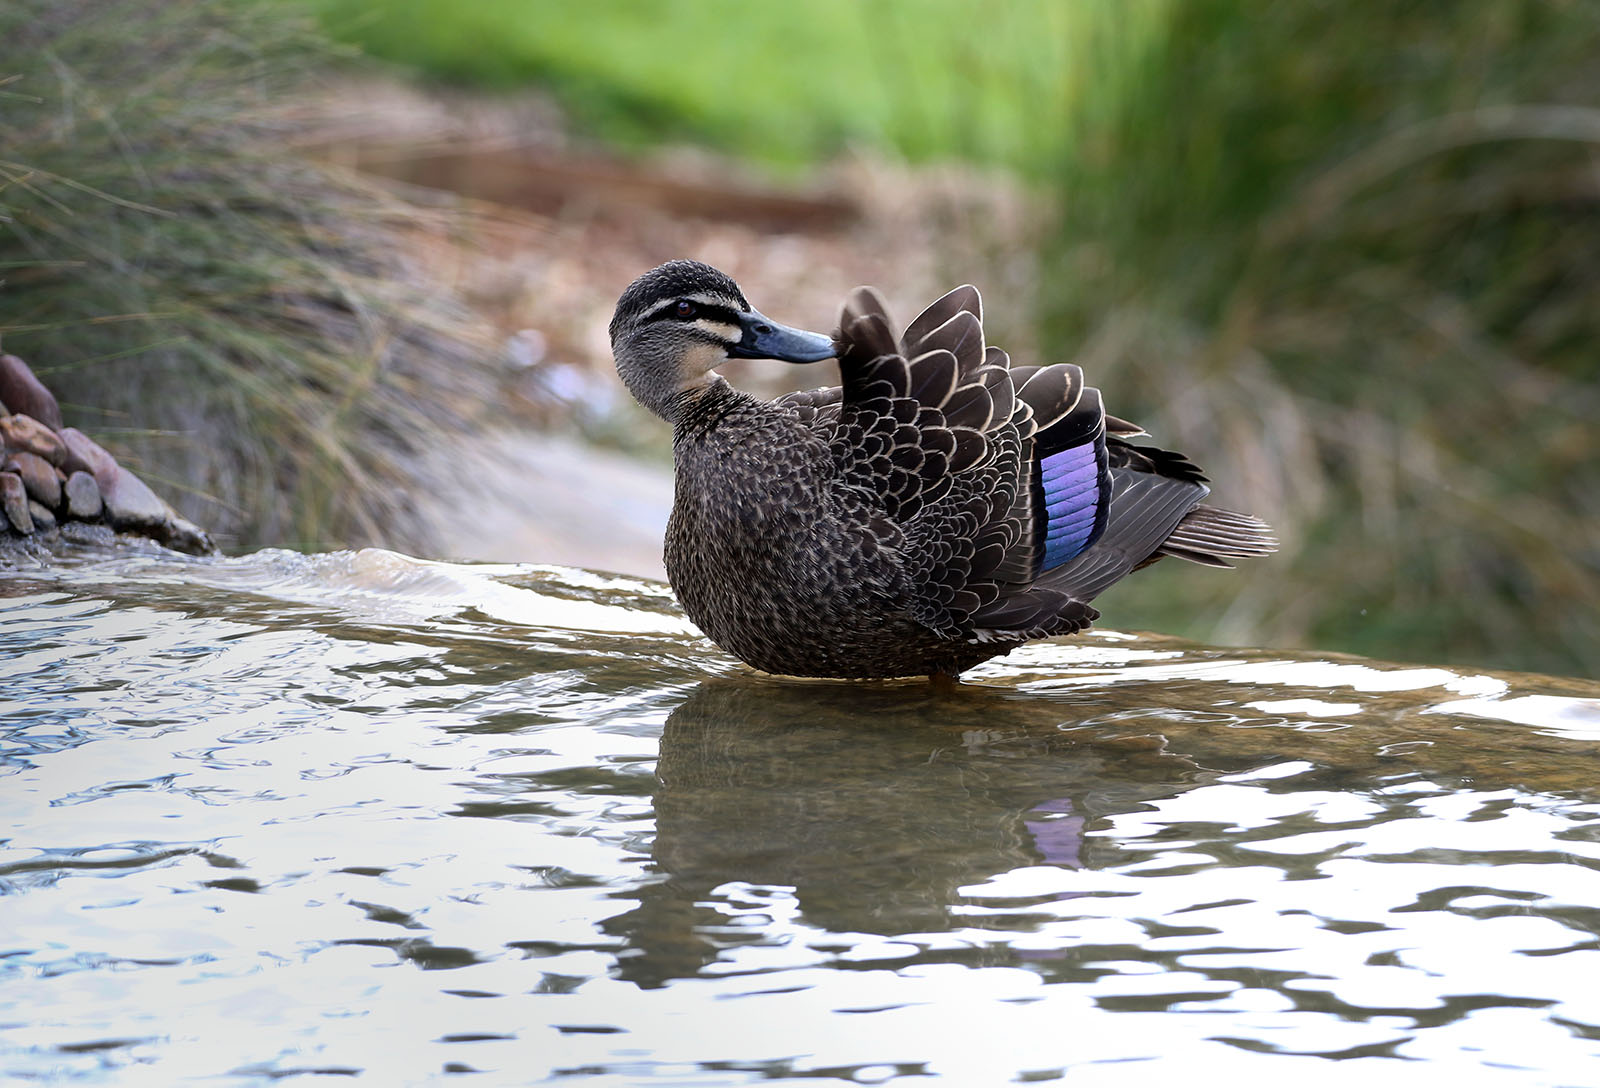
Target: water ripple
362,815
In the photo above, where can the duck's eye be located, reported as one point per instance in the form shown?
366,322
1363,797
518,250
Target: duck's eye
684,309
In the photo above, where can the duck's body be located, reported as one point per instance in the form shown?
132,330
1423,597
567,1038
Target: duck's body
937,509
780,561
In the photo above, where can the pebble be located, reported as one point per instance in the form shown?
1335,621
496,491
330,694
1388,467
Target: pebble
23,432
184,535
130,504
43,520
81,532
83,497
38,476
14,501
26,394
84,454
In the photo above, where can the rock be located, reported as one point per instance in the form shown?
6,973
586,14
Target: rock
43,520
84,454
130,504
38,476
83,497
185,536
14,501
26,394
80,533
54,477
23,432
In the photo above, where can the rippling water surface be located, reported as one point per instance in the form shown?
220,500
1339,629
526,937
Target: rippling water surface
359,815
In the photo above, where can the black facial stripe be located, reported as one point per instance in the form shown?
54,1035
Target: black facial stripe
725,314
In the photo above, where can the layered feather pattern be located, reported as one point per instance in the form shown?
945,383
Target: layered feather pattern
1017,498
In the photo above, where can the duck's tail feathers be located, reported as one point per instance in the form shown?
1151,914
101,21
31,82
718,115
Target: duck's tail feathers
1211,536
1122,428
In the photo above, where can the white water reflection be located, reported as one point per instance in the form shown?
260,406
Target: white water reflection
1320,675
1577,719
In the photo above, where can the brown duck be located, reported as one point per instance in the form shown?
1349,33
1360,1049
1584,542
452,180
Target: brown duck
938,508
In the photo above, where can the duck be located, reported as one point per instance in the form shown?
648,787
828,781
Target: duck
939,507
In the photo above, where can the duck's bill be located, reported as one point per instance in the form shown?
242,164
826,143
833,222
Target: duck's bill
766,339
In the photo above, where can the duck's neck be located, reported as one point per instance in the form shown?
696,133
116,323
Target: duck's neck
701,406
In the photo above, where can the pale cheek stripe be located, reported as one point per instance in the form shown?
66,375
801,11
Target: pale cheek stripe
720,330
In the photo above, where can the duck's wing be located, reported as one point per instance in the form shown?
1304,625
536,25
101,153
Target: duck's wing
1061,505
1151,508
1074,505
899,427
1017,498
931,426
816,408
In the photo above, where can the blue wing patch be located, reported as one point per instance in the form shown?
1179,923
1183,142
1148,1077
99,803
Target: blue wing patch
1073,484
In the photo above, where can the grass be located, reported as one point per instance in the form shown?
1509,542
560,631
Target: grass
782,83
1359,280
234,322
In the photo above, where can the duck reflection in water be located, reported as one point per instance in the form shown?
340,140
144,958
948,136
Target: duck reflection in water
876,805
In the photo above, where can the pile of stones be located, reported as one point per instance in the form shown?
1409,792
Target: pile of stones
57,483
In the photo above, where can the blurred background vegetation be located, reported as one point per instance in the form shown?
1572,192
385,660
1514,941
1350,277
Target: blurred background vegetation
787,84
1344,255
238,323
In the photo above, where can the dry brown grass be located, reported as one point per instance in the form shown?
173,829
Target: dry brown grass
239,324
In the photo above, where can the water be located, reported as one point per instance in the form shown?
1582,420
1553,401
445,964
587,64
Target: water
362,816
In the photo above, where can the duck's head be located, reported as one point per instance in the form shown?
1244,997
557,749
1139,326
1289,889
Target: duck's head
677,323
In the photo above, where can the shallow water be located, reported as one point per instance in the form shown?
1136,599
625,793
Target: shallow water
364,816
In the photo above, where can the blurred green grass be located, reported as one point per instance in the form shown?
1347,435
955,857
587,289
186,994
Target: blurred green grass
786,84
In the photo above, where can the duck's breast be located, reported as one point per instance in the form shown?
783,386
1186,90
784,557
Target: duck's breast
772,555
